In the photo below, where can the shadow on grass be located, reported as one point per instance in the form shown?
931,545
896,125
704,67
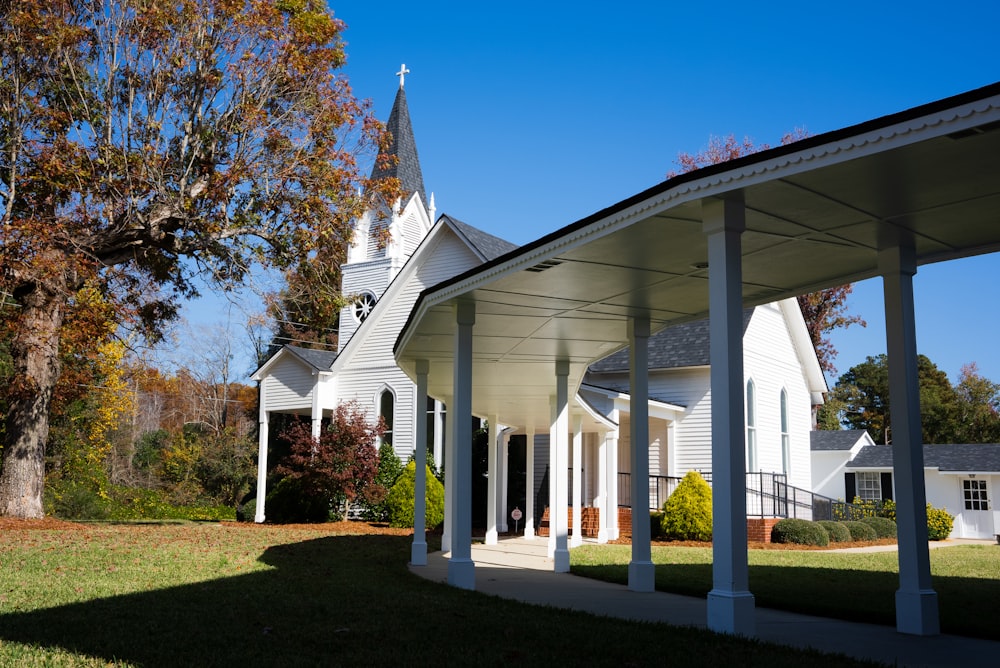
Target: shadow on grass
967,605
350,600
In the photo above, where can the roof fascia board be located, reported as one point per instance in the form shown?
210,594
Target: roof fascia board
903,128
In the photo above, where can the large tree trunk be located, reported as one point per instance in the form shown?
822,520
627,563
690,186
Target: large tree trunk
35,356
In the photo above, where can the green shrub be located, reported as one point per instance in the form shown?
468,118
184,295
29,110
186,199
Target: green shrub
860,531
883,526
687,514
836,530
656,524
290,501
248,511
800,532
71,500
939,523
390,468
399,501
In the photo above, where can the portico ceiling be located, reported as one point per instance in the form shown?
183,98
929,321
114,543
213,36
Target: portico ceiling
817,214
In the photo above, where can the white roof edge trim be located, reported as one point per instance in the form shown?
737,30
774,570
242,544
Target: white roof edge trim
803,345
589,410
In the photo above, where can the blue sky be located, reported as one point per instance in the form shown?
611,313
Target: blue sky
530,116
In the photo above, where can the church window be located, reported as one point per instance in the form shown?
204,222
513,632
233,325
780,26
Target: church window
974,495
786,445
363,306
751,426
386,407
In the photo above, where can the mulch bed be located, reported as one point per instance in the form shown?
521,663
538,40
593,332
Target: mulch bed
356,528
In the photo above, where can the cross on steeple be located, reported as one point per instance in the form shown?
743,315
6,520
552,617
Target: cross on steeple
402,73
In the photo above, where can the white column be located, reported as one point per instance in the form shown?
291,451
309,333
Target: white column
418,551
461,569
603,507
561,448
504,481
438,434
316,412
577,540
641,572
612,453
730,603
529,483
493,476
916,600
261,461
449,486
553,464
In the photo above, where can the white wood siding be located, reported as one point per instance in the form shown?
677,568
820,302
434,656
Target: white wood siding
770,359
289,386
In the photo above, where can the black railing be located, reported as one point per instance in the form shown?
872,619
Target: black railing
768,495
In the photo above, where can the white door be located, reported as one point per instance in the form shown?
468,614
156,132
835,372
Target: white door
977,520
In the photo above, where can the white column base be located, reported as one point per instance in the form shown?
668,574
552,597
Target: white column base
603,536
561,561
491,537
529,531
642,576
418,553
445,542
731,612
462,573
575,541
917,613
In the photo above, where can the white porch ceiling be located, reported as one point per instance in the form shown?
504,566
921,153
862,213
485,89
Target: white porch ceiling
817,214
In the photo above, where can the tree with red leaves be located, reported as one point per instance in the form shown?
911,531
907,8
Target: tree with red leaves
144,143
824,310
341,465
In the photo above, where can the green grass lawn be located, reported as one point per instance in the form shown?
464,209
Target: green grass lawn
232,595
854,586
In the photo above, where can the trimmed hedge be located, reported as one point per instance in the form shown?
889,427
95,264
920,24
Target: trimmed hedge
399,501
687,514
836,530
861,531
800,532
883,526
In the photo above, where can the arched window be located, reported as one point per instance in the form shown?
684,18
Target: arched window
751,427
386,408
786,443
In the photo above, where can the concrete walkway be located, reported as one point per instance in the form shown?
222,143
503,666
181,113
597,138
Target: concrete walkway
519,569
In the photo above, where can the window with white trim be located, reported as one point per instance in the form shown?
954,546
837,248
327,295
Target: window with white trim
386,408
751,427
786,441
869,485
974,495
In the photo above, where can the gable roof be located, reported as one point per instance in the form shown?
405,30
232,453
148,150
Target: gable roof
318,360
828,441
489,246
672,348
404,148
946,458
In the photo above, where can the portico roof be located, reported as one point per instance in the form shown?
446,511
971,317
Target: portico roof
817,214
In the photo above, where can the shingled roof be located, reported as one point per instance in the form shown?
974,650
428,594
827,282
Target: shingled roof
404,147
949,458
490,246
828,441
318,359
673,348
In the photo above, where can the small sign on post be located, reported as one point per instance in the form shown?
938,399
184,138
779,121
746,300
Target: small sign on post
516,516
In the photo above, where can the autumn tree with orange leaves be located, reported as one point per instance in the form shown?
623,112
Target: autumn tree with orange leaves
823,310
142,143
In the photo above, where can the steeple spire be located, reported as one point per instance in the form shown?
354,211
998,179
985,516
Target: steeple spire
403,147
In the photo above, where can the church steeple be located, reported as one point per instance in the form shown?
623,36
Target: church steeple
403,146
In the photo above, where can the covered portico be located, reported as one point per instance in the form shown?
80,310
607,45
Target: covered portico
513,338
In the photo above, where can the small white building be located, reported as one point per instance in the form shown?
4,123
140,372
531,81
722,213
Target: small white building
959,478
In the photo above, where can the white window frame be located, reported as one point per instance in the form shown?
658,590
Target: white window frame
751,413
786,439
869,485
975,494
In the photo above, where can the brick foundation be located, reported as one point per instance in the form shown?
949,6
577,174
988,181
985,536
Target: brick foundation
759,529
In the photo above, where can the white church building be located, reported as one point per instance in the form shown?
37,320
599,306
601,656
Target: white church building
784,383
591,346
